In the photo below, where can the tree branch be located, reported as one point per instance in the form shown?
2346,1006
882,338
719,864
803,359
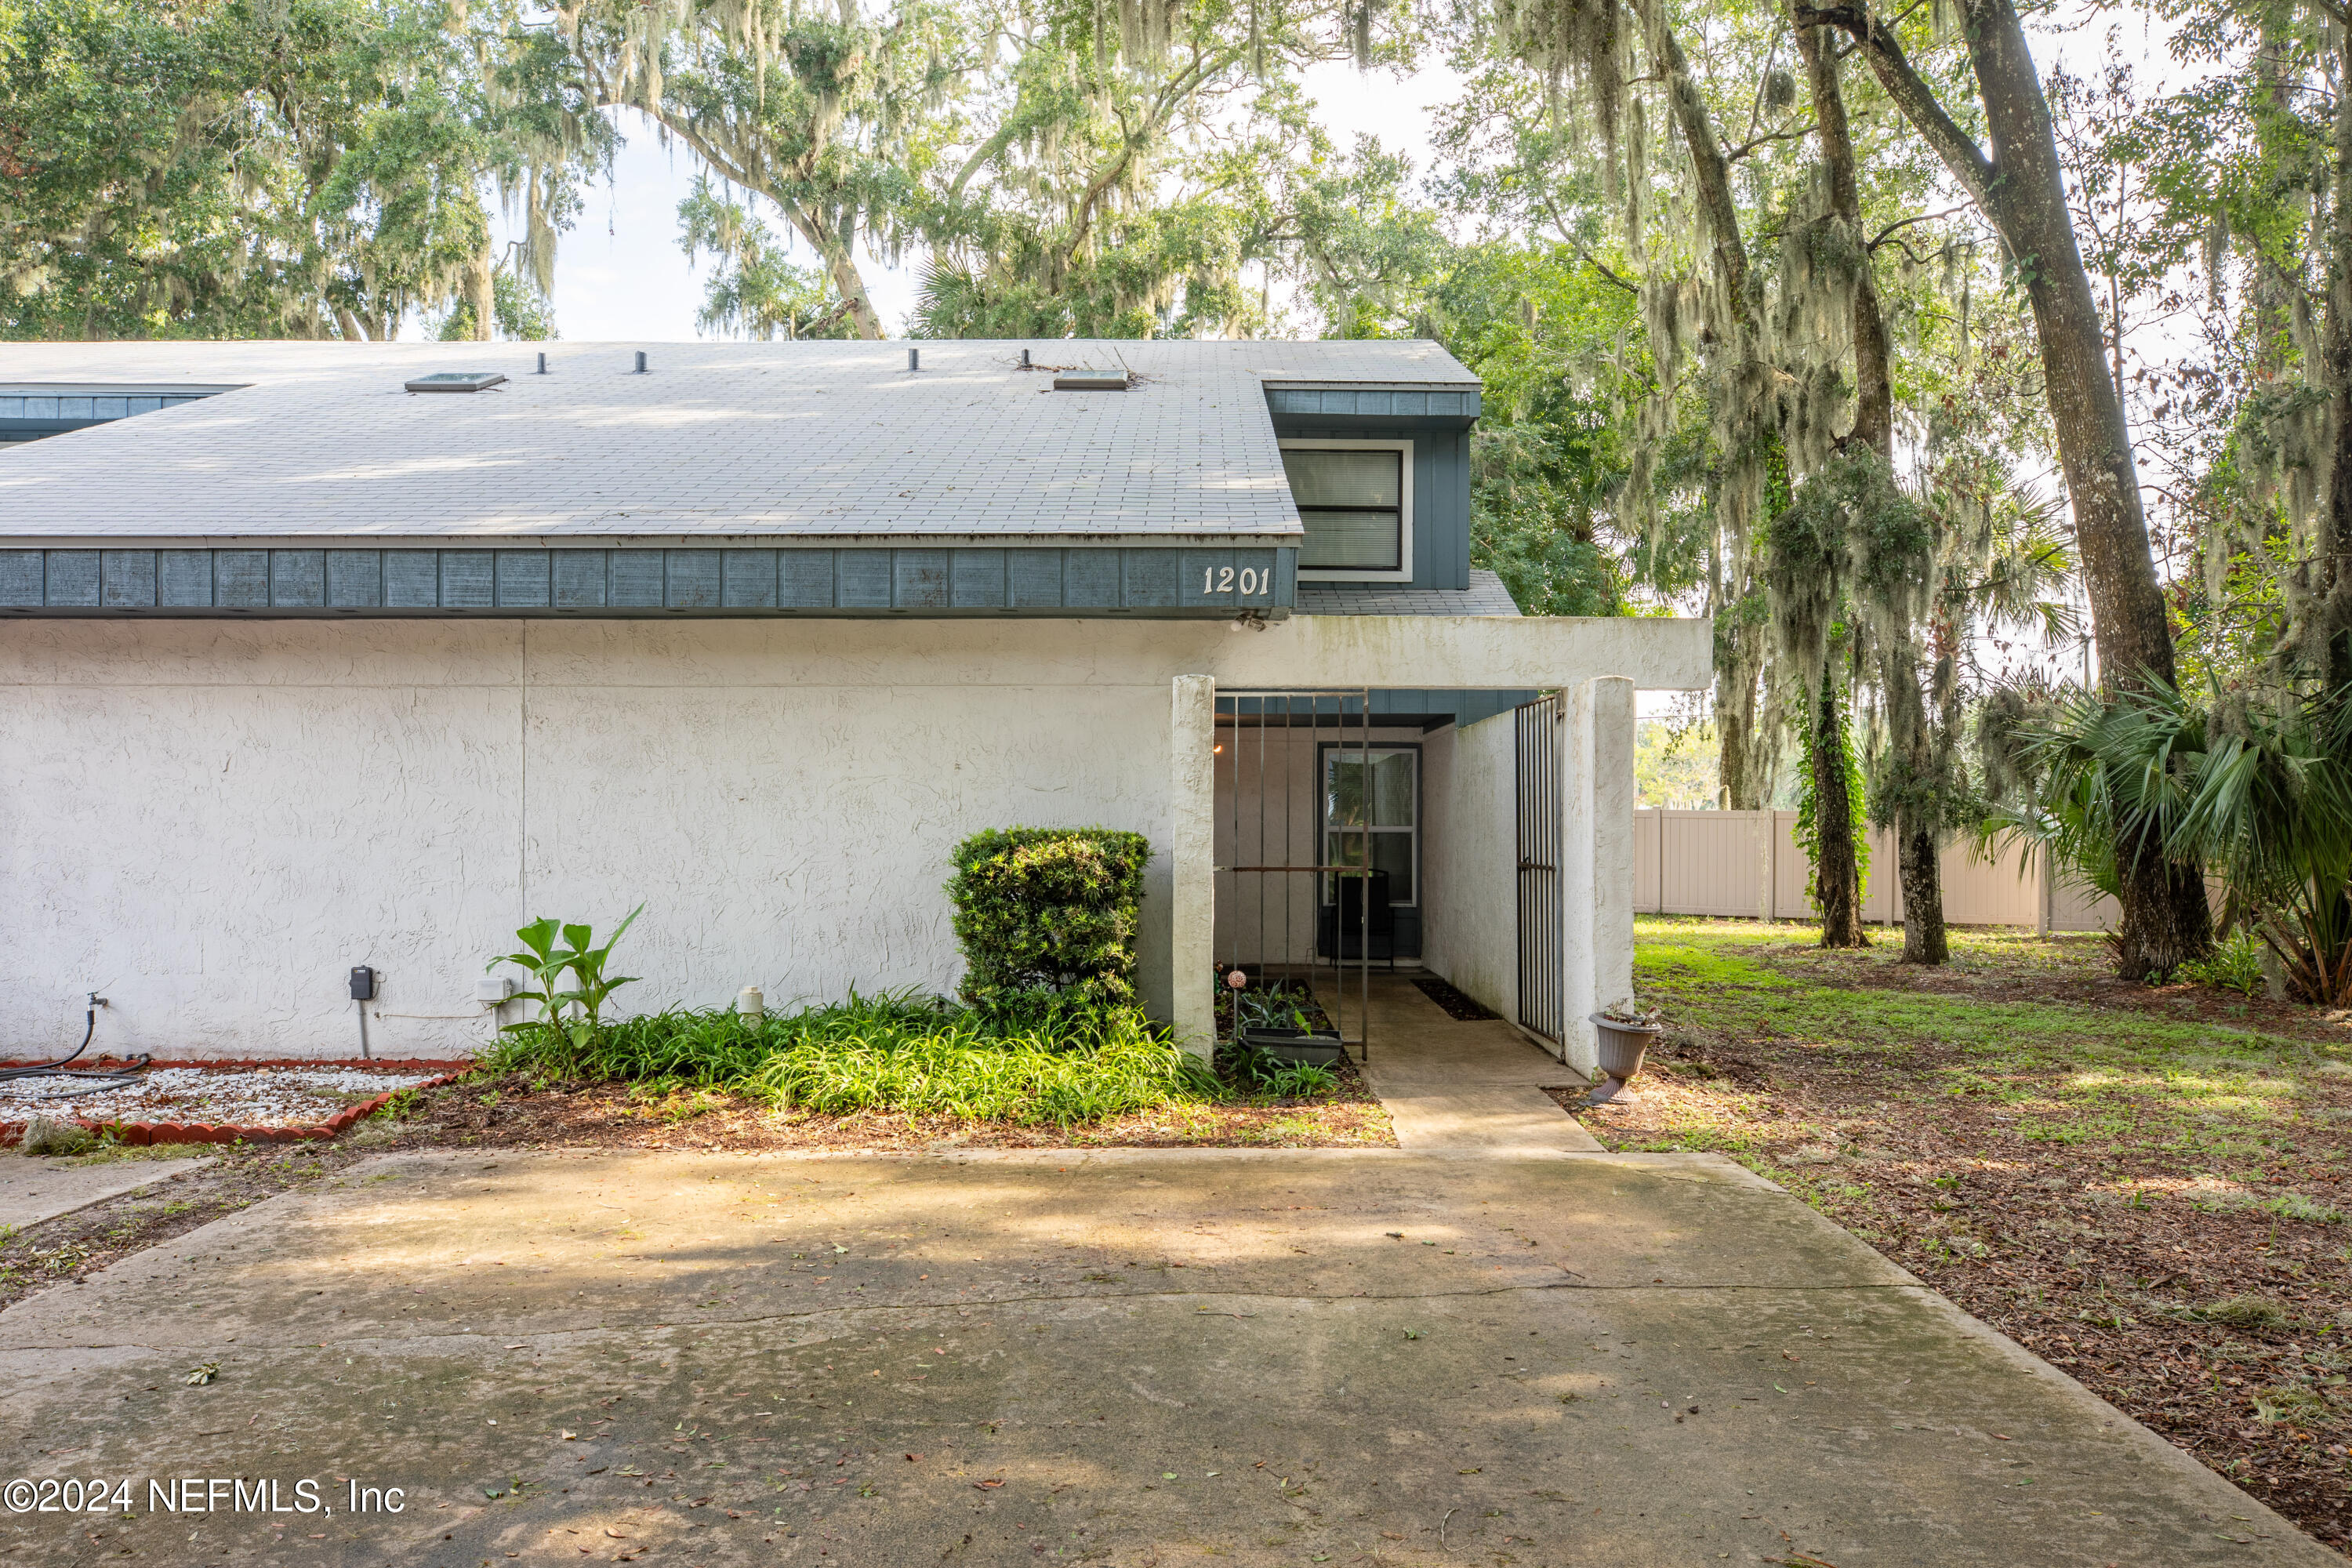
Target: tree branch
1875,41
1907,223
1733,155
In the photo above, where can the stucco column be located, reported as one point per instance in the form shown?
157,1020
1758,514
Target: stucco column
1596,858
1192,816
1611,729
1579,928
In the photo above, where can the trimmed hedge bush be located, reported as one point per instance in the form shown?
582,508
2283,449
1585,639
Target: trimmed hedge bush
1047,917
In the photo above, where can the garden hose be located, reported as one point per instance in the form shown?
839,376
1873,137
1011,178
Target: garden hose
88,1079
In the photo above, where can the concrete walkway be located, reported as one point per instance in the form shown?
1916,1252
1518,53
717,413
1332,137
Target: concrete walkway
1130,1358
37,1189
1466,1088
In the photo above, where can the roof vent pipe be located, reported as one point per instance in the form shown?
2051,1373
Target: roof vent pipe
914,359
542,364
1024,359
641,362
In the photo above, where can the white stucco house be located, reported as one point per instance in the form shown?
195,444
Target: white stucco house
302,669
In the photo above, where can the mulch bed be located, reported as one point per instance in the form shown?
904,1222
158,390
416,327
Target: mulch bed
2229,1332
1457,1007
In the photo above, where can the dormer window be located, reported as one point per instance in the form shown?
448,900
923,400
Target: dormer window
1355,501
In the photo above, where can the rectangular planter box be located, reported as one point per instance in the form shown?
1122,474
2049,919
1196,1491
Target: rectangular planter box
1315,1048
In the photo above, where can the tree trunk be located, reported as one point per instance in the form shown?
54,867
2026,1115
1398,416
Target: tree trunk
2020,190
850,284
2336,578
840,264
2165,919
481,297
1923,895
1711,174
1874,378
1744,762
1837,874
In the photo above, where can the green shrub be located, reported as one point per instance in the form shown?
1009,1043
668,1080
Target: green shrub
2235,964
1046,918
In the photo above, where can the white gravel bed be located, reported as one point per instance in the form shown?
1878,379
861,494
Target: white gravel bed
263,1097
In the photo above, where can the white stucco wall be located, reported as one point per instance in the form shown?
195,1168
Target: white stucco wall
211,821
1472,876
211,824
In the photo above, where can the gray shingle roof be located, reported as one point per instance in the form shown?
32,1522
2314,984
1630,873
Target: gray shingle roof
1484,597
826,440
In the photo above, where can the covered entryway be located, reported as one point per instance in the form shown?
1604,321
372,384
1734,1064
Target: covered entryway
1360,832
1316,848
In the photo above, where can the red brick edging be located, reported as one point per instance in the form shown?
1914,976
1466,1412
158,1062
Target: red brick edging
146,1133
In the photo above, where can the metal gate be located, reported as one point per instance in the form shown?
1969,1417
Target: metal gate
1284,852
1543,973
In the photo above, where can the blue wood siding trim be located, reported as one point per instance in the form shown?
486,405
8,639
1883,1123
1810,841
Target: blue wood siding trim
240,578
355,579
1103,580
126,579
467,580
72,578
183,579
1441,490
29,418
21,580
637,579
748,580
1358,403
577,579
520,577
977,580
411,580
918,579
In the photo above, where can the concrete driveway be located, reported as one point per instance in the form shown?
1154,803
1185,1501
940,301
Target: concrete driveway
1141,1358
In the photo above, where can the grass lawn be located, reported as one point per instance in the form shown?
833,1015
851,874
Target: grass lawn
2150,1188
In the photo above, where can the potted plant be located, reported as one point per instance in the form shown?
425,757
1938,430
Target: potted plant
1625,1032
1276,1023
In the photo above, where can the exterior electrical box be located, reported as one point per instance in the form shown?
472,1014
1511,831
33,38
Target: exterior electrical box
363,983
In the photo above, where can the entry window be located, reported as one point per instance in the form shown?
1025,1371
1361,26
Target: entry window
1351,500
1373,806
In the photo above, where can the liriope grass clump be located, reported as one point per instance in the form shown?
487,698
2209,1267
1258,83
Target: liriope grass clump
899,1052
1081,1065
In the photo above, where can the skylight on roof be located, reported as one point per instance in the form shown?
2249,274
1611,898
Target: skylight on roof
455,380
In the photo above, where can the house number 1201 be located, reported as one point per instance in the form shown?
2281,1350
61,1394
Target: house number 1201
1216,580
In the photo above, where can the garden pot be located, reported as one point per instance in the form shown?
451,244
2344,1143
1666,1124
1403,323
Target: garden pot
1621,1046
1315,1048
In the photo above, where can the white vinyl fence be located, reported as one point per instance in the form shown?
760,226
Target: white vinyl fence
1747,863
